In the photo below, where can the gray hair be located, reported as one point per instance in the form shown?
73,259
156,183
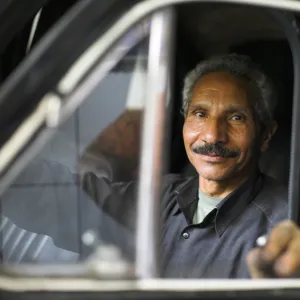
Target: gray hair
242,67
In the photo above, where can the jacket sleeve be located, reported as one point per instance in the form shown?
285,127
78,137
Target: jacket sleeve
119,200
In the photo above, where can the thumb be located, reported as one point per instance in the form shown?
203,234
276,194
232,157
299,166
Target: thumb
258,267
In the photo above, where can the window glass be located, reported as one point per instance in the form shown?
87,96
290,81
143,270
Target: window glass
51,214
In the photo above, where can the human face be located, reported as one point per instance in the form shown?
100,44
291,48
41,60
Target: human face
219,132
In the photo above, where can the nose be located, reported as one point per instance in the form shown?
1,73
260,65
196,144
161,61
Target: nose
214,131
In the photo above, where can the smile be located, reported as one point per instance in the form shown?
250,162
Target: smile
212,158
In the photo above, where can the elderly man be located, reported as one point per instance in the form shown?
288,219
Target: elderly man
212,221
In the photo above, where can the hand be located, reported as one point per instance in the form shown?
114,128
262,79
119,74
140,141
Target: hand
280,257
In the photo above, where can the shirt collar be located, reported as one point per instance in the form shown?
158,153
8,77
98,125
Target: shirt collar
227,210
187,198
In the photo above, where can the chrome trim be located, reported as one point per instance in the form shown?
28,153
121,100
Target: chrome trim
46,112
33,30
159,64
30,152
146,285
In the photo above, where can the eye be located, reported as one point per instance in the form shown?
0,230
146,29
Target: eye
200,114
237,118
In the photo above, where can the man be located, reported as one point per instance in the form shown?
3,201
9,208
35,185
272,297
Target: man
211,222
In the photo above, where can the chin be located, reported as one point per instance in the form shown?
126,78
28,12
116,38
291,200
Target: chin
215,174
213,177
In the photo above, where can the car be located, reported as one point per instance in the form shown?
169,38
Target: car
80,65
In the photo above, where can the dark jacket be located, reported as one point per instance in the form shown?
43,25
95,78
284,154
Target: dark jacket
217,247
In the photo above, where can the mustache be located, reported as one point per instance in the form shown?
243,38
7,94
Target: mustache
216,149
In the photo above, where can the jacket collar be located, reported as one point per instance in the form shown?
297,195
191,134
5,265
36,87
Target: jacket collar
227,210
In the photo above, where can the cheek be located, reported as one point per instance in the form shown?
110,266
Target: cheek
243,137
191,131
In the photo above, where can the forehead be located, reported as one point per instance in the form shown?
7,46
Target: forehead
221,87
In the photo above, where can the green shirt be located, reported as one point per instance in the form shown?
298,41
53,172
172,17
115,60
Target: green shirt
205,205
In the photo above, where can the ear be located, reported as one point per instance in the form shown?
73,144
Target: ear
267,136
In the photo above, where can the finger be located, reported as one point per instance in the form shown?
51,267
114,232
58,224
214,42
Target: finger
255,264
288,264
279,240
